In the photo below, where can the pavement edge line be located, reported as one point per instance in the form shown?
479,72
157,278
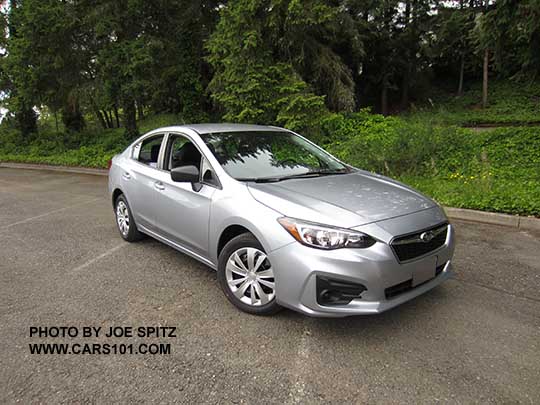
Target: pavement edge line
65,169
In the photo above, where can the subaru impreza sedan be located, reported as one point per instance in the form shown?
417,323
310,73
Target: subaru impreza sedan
284,223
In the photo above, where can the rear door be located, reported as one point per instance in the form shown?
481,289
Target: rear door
139,179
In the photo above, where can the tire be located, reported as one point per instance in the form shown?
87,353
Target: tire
124,220
249,288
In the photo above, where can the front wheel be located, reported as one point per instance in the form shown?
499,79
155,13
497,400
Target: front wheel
246,276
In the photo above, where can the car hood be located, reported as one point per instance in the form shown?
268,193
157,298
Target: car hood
345,200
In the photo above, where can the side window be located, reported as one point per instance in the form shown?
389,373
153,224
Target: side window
149,152
182,152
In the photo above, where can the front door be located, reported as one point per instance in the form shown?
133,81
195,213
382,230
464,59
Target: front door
182,214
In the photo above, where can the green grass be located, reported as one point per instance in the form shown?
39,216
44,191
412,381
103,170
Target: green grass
486,194
510,103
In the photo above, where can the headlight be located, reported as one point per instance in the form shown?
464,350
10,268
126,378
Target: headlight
325,237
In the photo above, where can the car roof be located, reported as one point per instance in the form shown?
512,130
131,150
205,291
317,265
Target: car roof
225,127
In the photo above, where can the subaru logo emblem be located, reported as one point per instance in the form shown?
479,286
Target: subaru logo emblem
427,236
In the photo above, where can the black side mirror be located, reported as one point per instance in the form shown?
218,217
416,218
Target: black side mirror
185,174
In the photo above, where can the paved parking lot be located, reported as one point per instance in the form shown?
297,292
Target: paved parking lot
476,338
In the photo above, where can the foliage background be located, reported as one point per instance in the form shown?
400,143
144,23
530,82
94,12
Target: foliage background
388,86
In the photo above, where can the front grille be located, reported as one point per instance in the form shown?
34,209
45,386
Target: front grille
401,288
412,246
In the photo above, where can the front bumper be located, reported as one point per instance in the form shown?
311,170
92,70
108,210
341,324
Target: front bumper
297,267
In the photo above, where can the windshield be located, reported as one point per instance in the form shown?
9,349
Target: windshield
256,155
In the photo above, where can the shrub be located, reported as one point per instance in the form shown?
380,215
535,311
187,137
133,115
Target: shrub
393,146
11,141
91,149
510,102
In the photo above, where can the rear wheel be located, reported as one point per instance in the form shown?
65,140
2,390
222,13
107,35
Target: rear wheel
124,220
246,276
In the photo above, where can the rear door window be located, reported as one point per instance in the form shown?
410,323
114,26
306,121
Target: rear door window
149,150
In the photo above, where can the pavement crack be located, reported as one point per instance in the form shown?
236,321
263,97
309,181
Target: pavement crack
500,290
297,394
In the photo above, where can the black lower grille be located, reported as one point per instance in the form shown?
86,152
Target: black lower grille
406,286
398,289
418,244
337,292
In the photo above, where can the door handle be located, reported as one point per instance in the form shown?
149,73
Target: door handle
159,185
126,176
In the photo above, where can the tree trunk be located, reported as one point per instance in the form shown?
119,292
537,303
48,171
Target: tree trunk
485,80
108,119
100,118
26,120
405,87
461,74
116,116
140,111
407,12
130,119
384,97
410,31
71,114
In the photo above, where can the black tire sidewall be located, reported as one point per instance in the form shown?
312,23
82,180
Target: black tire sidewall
242,241
133,234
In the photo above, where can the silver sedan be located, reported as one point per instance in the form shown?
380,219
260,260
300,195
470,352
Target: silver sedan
284,223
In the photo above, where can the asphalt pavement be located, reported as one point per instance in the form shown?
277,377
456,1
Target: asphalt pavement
474,339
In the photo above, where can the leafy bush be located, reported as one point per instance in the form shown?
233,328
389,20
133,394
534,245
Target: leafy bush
67,149
508,103
393,146
162,120
10,141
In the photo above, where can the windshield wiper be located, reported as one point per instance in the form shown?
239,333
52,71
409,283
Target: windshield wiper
326,172
258,179
317,173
